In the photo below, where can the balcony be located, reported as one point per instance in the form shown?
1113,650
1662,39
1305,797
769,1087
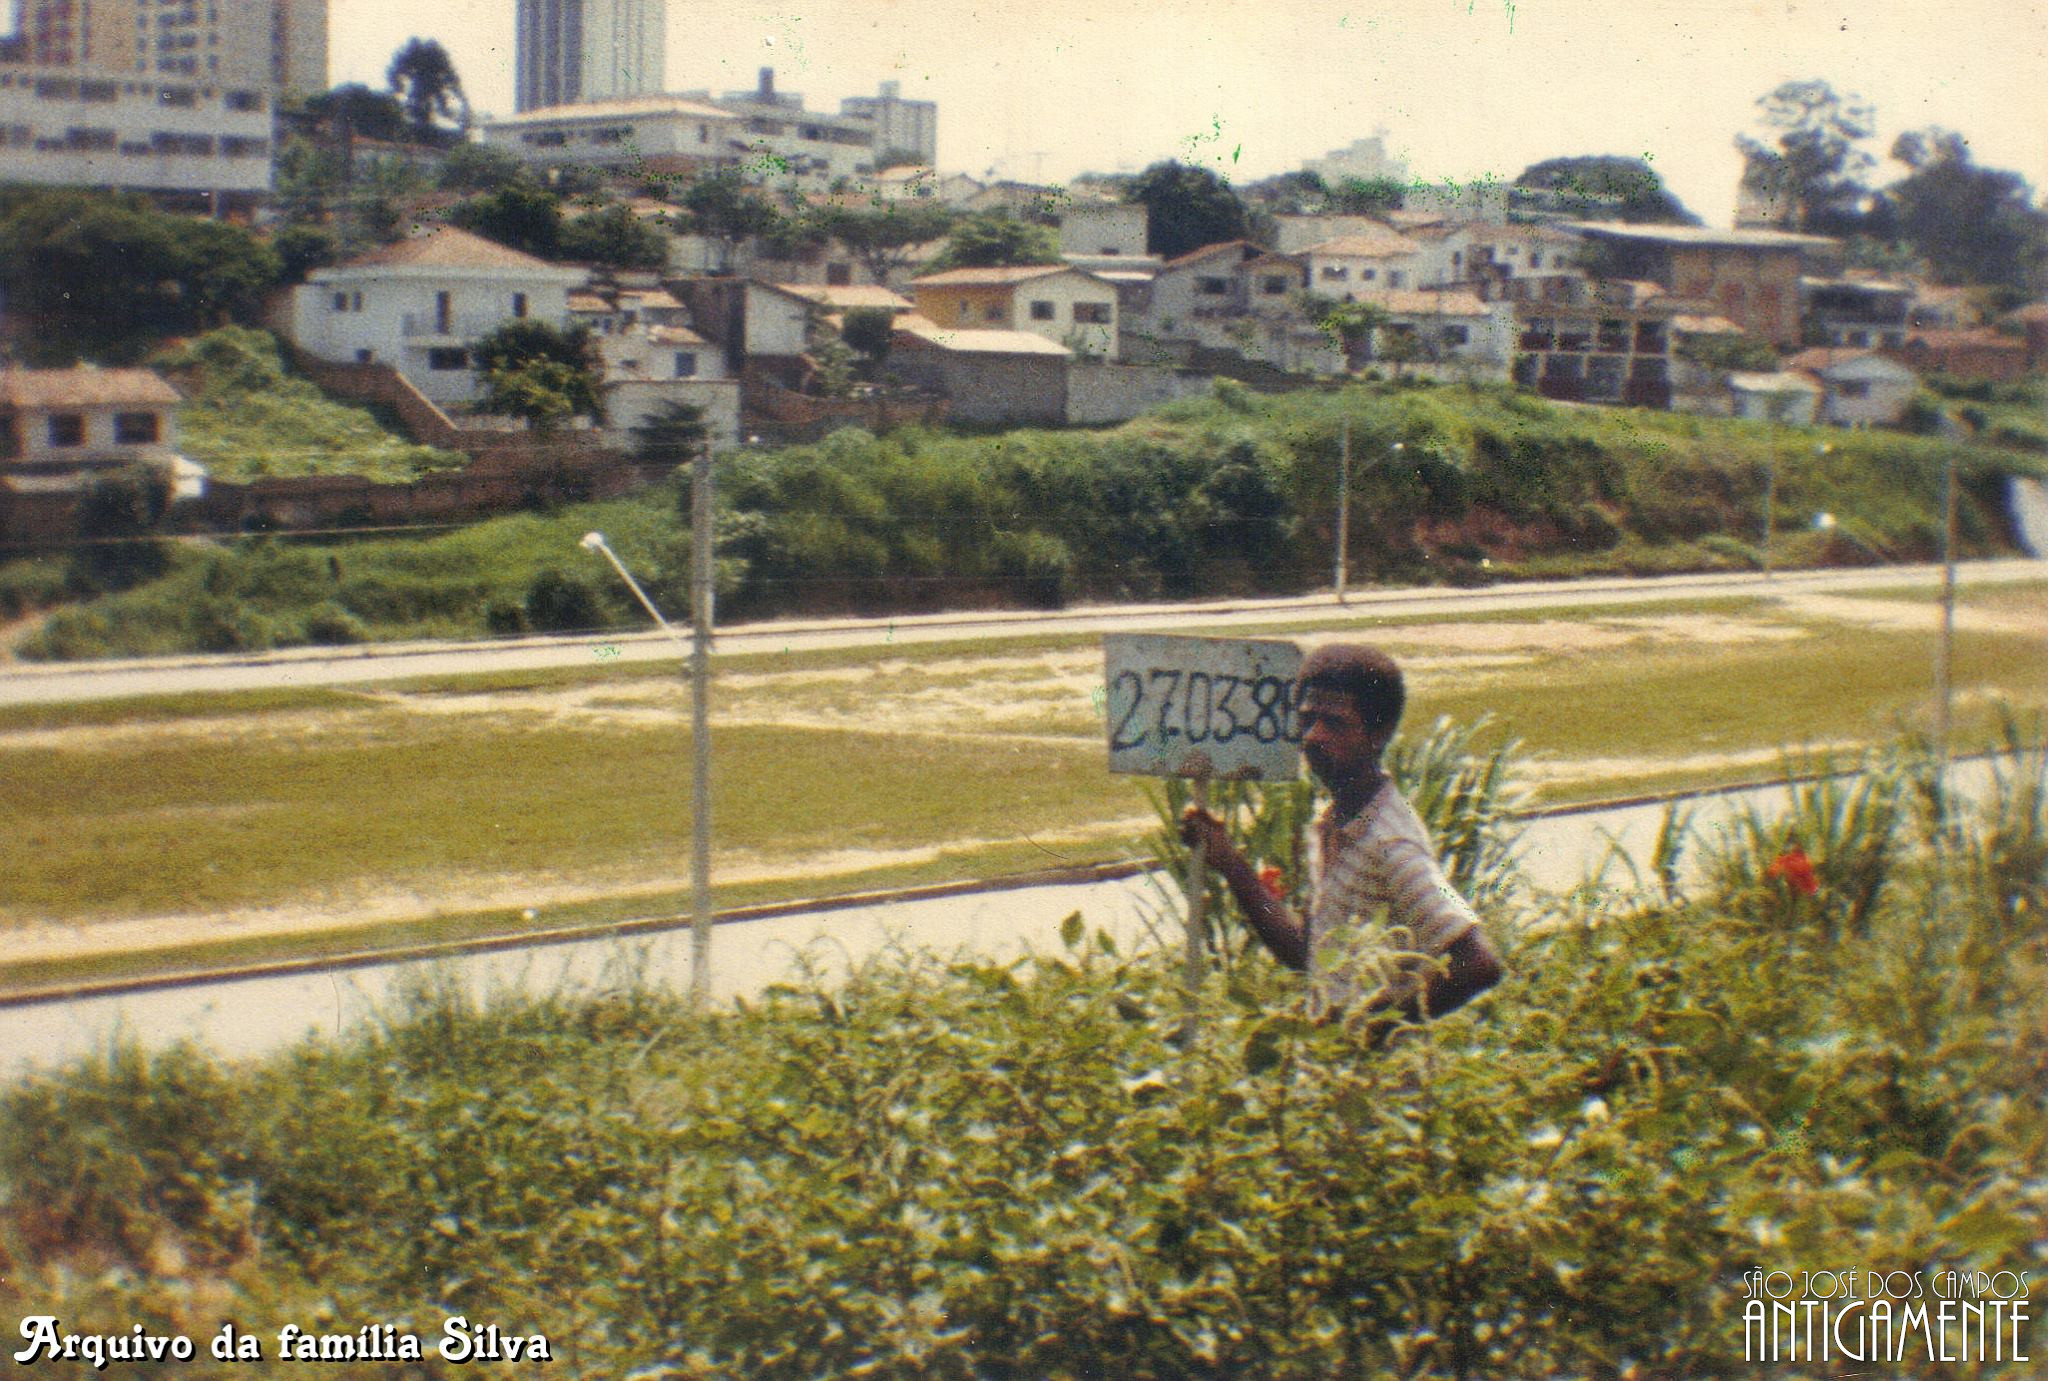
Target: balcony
460,326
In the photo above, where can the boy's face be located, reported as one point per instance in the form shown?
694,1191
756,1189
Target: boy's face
1335,740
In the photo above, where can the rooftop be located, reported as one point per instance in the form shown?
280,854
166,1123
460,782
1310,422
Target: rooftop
980,342
991,277
845,298
84,386
622,108
1704,236
447,247
1387,246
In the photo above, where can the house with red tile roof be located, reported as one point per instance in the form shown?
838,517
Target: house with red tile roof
419,306
1065,305
59,428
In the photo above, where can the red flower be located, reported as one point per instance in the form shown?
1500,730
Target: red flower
1275,883
1795,870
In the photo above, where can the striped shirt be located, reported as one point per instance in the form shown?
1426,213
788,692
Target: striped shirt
1377,893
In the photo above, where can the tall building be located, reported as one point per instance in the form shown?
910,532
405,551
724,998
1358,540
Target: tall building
901,126
570,51
271,45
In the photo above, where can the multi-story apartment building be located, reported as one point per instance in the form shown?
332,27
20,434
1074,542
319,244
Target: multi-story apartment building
208,146
276,46
900,126
570,51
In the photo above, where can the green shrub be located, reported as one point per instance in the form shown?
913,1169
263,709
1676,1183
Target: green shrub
334,626
558,602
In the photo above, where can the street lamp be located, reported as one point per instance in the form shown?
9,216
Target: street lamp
700,717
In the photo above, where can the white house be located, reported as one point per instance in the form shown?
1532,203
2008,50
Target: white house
1350,265
1103,228
1782,396
1064,305
1860,388
421,304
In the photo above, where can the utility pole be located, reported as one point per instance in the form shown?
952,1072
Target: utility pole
700,709
1343,553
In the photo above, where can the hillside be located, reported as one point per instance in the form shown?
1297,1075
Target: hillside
247,417
1232,494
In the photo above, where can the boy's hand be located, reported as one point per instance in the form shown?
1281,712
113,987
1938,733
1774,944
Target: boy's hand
1201,830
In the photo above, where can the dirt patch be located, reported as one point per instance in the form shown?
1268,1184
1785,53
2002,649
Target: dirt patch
1917,616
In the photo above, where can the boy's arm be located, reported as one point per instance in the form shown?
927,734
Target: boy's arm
1270,919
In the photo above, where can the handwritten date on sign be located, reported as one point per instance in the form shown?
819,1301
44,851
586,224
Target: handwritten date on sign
1198,707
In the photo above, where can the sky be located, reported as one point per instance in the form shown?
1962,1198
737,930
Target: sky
1041,90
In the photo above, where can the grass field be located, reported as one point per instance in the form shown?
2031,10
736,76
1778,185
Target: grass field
270,823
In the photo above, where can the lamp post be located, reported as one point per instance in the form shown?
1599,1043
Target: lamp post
1342,557
700,713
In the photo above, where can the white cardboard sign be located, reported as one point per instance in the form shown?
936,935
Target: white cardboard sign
1202,707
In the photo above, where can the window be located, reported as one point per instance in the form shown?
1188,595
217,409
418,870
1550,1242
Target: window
448,357
1457,335
1535,258
686,364
355,302
1335,273
839,274
1650,338
136,428
992,312
1575,335
67,429
1613,334
444,313
519,304
1854,388
1367,275
341,302
1212,287
1091,313
1043,311
1397,279
1538,334
1273,285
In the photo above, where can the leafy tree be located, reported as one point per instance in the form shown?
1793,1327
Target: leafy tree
302,248
1604,187
107,276
614,237
1814,160
423,76
473,167
355,109
723,207
1366,196
1728,351
1971,224
869,330
541,373
521,216
672,434
1186,207
881,238
1352,326
992,239
117,514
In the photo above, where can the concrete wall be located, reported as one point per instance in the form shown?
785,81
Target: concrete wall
989,389
1098,393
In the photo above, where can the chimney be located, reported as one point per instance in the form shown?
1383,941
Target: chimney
767,93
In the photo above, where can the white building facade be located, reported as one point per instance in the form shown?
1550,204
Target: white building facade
419,306
81,127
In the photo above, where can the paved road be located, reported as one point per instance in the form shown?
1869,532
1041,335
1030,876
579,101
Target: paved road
258,1015
28,683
